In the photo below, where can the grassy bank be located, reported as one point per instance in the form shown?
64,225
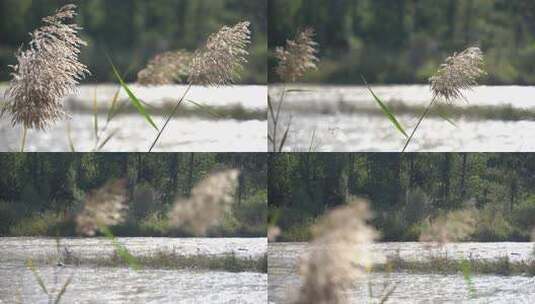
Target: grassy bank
444,265
503,112
168,261
233,111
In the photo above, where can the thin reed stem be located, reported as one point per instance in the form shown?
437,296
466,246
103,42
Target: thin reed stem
23,141
419,122
170,117
276,120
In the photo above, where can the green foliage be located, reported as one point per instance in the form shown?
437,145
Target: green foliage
404,41
492,226
251,215
42,193
404,190
524,214
36,225
443,264
133,31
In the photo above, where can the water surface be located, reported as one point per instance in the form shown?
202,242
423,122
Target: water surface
414,288
123,285
321,123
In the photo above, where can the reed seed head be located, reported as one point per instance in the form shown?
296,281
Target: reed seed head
298,57
454,226
209,201
339,255
104,207
166,68
273,233
221,60
458,73
46,72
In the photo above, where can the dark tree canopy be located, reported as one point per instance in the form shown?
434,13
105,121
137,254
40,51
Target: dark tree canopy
405,189
404,41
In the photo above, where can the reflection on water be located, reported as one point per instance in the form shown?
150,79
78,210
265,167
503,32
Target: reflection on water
319,121
121,285
322,96
354,133
134,134
414,288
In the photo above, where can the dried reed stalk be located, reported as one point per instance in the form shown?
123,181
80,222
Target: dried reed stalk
209,200
46,72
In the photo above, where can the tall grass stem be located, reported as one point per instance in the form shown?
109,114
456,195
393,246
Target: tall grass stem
170,117
419,122
23,141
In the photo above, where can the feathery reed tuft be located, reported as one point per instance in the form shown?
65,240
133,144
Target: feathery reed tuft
339,254
297,57
209,201
104,207
454,226
459,72
46,72
221,60
166,68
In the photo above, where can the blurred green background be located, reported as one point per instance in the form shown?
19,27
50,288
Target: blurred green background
133,31
403,41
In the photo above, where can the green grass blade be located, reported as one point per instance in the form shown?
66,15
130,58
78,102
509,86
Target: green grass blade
206,109
69,137
95,114
63,289
283,141
38,278
120,249
107,139
467,274
135,101
270,106
444,116
111,111
298,91
388,113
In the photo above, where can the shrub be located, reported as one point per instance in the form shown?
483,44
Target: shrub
36,225
524,214
492,226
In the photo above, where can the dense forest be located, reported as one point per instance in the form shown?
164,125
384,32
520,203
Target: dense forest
39,191
132,31
405,189
404,41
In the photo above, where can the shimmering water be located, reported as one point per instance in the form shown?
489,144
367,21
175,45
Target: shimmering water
134,134
318,120
414,288
122,285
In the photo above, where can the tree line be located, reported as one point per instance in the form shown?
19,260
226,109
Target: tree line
132,31
405,189
37,184
404,41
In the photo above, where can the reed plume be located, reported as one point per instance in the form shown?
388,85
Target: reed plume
298,57
46,72
221,60
104,207
339,254
209,201
458,73
452,227
166,68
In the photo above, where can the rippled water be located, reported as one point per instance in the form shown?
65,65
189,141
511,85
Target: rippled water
319,121
121,285
134,134
354,133
414,288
